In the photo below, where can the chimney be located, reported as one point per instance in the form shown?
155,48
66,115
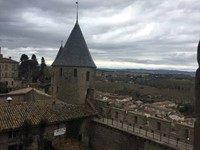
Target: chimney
10,58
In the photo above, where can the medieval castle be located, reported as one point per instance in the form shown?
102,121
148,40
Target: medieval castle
74,112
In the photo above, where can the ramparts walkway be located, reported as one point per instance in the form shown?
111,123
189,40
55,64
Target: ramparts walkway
146,134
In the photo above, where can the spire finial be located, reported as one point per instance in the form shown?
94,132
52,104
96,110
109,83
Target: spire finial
61,43
77,11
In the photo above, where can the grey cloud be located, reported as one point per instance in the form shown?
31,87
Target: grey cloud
153,32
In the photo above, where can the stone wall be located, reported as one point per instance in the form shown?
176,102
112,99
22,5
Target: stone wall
82,132
72,87
106,138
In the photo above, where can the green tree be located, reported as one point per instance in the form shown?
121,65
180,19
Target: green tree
23,58
186,109
43,69
28,68
3,88
34,68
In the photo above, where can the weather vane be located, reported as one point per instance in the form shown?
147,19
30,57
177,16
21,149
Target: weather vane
77,11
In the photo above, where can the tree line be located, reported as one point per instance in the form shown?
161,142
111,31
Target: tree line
30,70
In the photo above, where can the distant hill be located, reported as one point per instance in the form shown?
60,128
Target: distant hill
159,71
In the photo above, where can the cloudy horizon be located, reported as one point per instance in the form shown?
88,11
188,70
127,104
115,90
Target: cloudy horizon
127,34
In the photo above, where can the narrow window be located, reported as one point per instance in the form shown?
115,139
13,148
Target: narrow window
158,125
61,71
14,134
101,110
147,123
87,76
13,67
187,133
6,67
12,147
20,147
79,137
75,72
135,120
10,134
116,115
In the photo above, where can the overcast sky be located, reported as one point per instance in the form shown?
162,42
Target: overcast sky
151,34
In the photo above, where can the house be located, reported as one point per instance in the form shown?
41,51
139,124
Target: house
24,94
61,120
8,71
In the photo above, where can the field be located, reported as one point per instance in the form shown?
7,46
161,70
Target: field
148,87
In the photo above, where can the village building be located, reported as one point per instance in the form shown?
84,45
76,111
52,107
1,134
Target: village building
49,120
8,71
24,94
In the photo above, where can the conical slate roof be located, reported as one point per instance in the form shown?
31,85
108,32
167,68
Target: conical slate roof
75,52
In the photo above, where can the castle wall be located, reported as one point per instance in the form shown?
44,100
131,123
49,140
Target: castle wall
185,133
14,139
104,137
167,129
72,87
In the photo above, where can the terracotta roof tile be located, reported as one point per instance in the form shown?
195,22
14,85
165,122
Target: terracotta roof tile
13,115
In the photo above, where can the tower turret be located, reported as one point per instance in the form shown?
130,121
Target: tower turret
74,69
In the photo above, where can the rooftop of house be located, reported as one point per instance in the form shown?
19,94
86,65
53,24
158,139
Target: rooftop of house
12,115
27,90
7,60
24,91
104,96
21,91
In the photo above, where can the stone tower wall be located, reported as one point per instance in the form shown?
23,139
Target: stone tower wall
72,86
197,103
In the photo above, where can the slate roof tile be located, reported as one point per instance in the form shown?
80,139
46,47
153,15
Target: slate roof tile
75,53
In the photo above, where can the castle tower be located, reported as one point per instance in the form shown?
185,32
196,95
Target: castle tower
197,103
73,69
